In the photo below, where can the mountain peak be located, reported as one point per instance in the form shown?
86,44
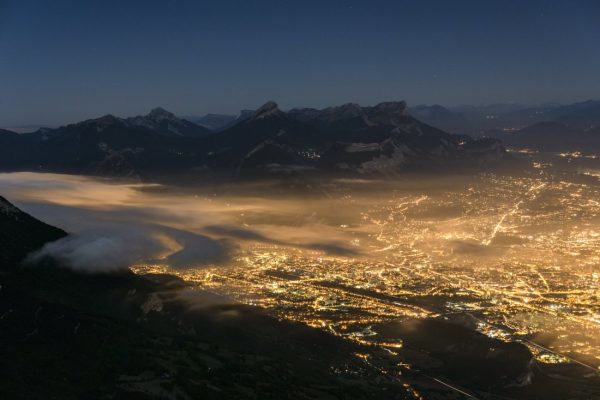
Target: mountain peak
348,110
266,110
396,107
350,106
159,114
103,121
166,123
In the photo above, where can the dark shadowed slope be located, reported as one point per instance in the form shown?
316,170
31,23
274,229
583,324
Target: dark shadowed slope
443,118
213,122
244,144
20,234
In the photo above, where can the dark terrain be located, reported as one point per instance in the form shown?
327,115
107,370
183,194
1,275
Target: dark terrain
547,127
349,139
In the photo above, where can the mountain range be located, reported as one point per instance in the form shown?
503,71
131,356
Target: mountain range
476,120
214,122
552,136
349,138
546,127
164,122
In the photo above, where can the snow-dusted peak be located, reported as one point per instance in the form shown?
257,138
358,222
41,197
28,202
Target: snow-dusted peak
266,110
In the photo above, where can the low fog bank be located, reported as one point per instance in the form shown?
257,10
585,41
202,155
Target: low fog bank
454,219
113,226
112,250
88,252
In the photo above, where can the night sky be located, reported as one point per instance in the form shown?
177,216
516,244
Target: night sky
64,61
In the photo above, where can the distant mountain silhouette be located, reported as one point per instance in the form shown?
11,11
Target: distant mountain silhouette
166,123
385,138
443,118
213,122
548,126
349,138
584,115
552,136
104,146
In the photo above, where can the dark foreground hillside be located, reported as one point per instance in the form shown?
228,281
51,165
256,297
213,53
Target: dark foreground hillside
73,337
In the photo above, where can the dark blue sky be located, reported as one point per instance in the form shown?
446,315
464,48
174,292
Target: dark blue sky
63,61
